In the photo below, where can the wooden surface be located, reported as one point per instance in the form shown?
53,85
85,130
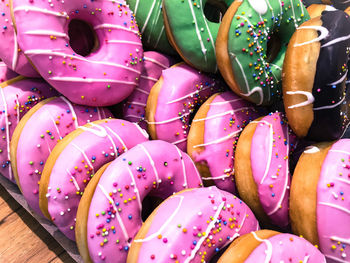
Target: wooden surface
22,238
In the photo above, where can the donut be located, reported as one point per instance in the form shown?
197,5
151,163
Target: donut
316,10
18,96
271,246
10,53
6,73
36,135
251,45
341,4
209,225
104,77
153,65
307,3
173,99
213,136
73,162
319,209
262,168
109,213
149,17
193,36
314,92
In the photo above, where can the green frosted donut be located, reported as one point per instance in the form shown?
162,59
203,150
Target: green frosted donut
149,17
251,46
190,31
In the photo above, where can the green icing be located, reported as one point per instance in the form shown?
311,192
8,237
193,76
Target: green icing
258,78
193,33
149,17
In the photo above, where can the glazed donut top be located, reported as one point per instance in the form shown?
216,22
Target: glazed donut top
155,168
184,229
6,73
173,100
100,79
10,52
18,96
153,65
271,145
333,212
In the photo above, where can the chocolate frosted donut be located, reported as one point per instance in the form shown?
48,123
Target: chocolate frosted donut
314,77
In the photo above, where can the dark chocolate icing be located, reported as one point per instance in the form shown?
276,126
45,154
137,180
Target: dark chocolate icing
330,106
341,4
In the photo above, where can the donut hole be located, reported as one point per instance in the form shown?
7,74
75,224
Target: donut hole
214,10
82,37
274,45
148,205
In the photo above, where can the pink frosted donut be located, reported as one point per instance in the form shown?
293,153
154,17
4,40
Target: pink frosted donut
178,93
36,135
191,226
6,73
109,214
271,246
104,77
18,96
153,65
213,136
74,161
262,167
319,204
10,52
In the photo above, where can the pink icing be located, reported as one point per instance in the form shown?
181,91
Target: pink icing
6,73
189,228
104,77
79,161
10,52
156,168
285,248
16,100
227,116
333,206
153,65
39,136
183,90
270,148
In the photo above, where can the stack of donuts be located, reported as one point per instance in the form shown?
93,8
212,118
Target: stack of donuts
181,130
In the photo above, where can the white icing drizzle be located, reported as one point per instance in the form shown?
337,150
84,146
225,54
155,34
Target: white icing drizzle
148,17
294,17
15,51
242,70
335,206
123,42
183,167
306,259
343,180
203,49
207,232
340,80
120,221
152,163
136,189
219,103
217,177
309,96
259,6
155,62
169,120
330,8
100,132
54,123
324,33
40,10
340,151
155,20
143,131
232,112
136,103
311,149
330,106
33,52
342,240
72,111
142,91
7,130
99,113
256,89
73,180
118,137
339,39
47,33
112,26
149,78
179,141
335,259
220,140
136,6
166,223
92,80
191,94
84,155
160,35
269,246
